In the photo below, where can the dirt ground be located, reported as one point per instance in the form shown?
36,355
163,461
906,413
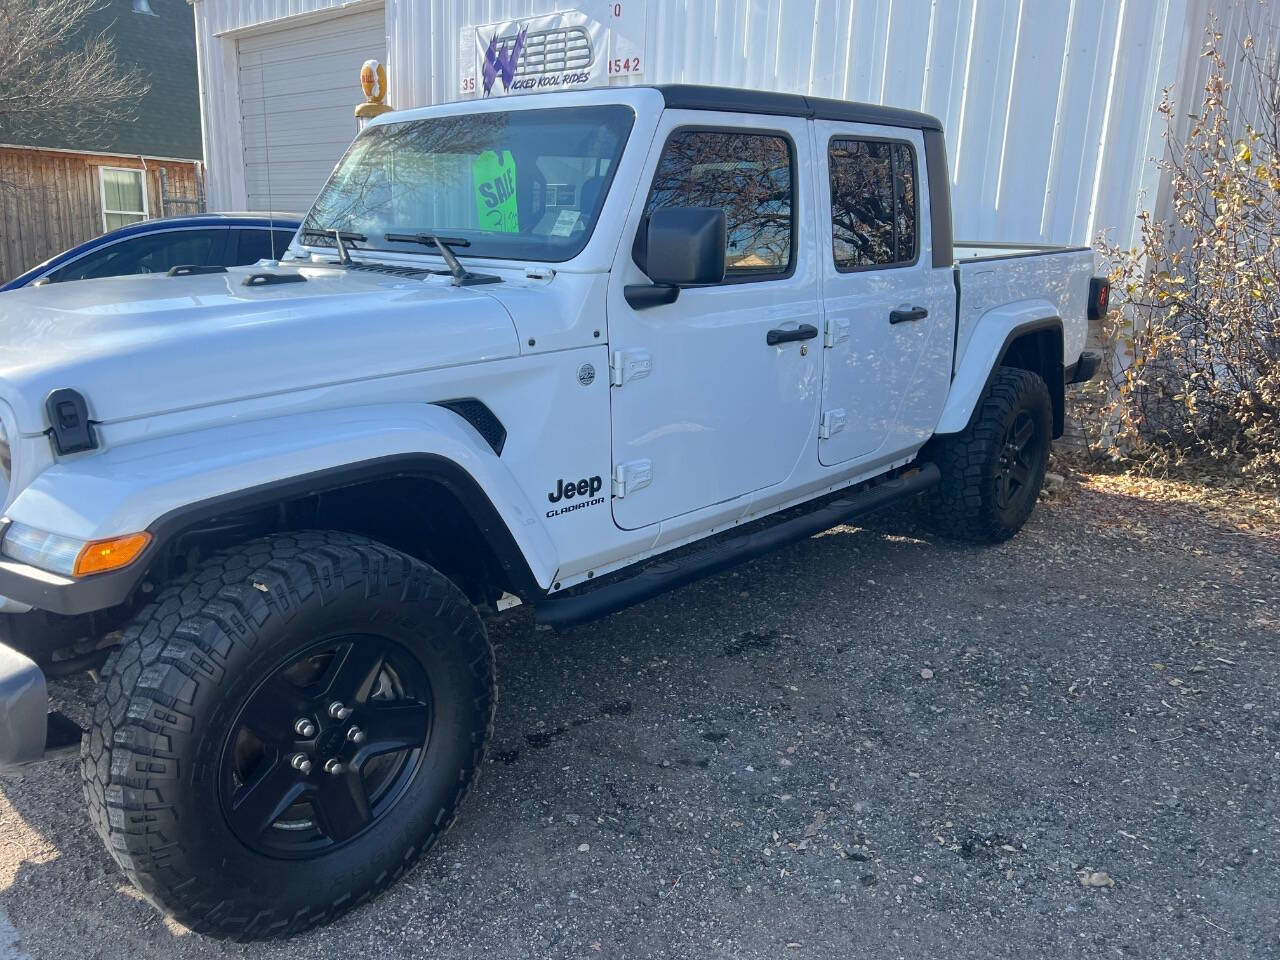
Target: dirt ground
870,744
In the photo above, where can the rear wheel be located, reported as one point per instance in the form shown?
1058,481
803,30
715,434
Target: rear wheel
283,732
993,470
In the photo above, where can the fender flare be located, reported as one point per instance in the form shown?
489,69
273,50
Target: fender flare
993,334
167,485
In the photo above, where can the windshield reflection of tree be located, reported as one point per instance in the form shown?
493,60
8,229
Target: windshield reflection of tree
749,177
414,175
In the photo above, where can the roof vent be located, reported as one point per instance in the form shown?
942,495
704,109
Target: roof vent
144,7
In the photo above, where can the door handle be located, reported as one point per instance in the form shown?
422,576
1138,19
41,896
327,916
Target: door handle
903,314
806,331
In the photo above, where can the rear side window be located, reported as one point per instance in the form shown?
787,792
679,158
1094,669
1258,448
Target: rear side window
749,176
257,244
873,203
281,240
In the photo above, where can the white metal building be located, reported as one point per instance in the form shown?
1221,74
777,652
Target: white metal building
1049,105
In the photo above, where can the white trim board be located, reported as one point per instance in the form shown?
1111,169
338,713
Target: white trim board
194,161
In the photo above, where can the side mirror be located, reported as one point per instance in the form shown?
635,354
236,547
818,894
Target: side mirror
679,247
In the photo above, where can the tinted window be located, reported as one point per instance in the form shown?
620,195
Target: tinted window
151,253
256,244
873,203
281,240
747,175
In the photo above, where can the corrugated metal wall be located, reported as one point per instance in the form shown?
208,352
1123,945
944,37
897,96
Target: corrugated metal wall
1234,21
1049,105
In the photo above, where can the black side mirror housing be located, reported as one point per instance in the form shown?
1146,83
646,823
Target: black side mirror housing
679,247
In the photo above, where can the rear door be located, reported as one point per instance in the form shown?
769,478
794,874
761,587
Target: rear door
707,405
889,313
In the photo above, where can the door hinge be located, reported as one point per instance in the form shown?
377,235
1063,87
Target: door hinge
837,332
627,365
833,421
630,477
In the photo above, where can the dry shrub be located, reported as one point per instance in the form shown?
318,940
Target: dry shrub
1198,325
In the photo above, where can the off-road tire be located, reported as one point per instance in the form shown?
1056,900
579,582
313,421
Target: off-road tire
964,504
166,700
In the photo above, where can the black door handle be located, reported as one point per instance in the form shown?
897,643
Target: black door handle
806,331
912,313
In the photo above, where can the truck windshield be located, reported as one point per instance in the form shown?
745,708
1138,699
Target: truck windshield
519,185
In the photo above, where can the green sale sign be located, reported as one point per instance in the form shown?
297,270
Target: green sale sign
495,184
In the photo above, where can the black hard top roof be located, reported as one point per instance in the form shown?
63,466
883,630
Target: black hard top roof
683,96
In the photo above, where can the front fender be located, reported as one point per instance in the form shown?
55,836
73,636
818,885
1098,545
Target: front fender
163,485
991,337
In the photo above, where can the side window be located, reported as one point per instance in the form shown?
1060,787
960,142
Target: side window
150,253
873,203
254,245
280,239
748,175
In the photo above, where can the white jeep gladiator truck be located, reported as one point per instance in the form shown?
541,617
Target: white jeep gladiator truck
570,350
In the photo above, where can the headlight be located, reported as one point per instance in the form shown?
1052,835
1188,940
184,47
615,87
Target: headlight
69,556
48,551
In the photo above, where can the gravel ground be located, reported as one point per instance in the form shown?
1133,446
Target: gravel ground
871,743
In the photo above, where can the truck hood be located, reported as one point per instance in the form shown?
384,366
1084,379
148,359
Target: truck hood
143,345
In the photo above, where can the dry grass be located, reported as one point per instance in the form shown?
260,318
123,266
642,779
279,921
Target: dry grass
1187,507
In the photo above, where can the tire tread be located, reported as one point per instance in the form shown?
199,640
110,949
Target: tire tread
961,505
182,640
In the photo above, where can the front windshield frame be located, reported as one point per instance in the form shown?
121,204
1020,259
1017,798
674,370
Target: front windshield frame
599,120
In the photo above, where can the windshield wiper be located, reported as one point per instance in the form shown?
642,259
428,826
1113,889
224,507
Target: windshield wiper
337,236
461,275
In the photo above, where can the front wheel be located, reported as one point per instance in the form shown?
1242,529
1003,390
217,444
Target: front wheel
992,471
285,730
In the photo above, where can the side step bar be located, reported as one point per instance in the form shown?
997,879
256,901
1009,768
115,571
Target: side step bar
663,576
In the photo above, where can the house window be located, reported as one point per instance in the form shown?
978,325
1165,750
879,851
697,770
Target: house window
124,196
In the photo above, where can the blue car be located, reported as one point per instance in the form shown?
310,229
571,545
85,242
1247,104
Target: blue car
155,246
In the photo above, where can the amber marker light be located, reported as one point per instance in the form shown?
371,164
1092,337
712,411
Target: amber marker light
103,556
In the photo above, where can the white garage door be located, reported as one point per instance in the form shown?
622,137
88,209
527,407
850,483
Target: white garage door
298,87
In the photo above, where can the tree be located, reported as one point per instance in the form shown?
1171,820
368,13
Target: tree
57,75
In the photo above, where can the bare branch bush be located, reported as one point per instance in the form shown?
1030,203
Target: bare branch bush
58,76
1199,314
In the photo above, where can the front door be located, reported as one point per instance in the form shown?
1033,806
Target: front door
716,394
890,313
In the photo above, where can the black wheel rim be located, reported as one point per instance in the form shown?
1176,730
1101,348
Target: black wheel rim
1016,465
326,746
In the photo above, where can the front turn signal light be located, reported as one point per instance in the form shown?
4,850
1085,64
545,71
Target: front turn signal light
103,556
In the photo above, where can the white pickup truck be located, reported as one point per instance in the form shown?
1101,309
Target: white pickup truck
518,350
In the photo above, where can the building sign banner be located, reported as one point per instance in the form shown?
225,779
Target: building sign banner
559,51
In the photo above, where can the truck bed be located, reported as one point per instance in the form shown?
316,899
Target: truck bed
990,275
